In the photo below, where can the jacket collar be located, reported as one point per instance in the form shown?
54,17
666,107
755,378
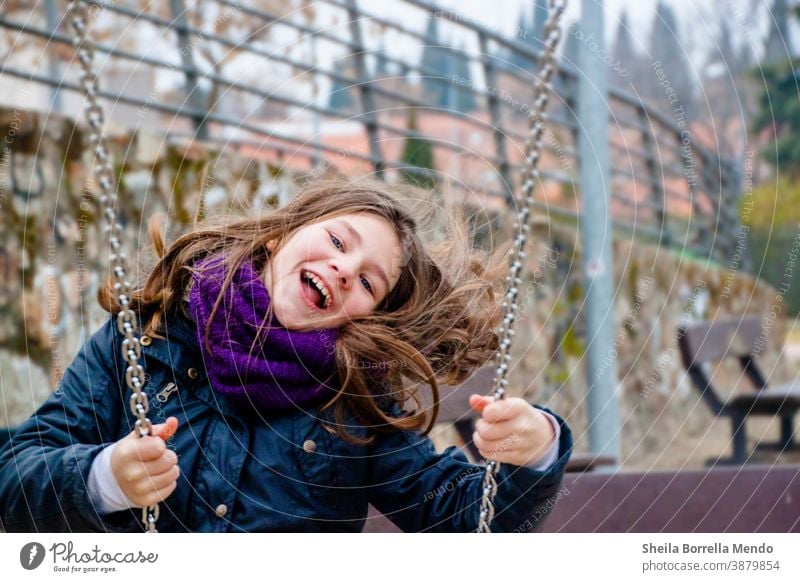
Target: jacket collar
179,351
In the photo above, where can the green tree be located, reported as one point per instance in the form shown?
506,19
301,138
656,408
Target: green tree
779,116
773,211
417,153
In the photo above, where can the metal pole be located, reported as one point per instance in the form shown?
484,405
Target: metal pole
596,234
52,17
490,72
186,48
316,122
365,90
657,185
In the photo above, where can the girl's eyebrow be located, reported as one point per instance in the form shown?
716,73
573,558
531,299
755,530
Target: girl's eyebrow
355,234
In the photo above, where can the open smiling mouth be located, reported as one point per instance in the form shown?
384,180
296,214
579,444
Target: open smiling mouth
314,290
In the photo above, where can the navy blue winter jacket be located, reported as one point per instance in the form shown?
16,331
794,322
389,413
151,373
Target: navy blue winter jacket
239,472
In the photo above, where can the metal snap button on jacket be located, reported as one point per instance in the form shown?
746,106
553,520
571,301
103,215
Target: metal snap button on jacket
221,510
193,374
146,340
309,446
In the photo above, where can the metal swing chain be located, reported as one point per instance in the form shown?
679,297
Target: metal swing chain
533,148
78,15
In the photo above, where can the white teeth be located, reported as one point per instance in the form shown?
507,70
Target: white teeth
320,286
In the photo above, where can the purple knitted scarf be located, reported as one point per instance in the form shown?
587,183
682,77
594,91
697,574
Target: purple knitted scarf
286,369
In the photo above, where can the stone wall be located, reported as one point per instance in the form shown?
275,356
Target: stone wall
53,251
52,254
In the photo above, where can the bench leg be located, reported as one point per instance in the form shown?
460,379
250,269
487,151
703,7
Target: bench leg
787,432
739,439
739,434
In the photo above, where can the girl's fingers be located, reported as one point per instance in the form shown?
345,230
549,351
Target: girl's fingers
500,410
138,471
146,449
504,450
160,495
494,431
487,448
157,482
161,465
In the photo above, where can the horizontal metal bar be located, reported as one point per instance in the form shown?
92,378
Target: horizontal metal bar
459,19
520,48
295,63
707,168
231,122
177,110
225,121
274,19
706,156
57,37
420,68
214,118
651,183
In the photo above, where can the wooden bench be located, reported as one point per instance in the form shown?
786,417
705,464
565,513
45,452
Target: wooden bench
740,338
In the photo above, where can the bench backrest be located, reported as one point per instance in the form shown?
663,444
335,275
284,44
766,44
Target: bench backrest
710,341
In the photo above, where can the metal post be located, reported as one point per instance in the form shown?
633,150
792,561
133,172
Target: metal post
316,122
365,89
596,235
490,73
707,234
52,17
186,46
657,185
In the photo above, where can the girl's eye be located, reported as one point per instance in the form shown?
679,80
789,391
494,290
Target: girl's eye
337,243
366,284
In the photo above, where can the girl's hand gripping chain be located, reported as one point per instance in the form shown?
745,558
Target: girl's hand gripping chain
511,430
145,469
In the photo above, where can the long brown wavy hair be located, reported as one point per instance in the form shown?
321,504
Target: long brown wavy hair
437,325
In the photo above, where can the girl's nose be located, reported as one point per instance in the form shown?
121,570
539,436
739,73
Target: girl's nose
344,273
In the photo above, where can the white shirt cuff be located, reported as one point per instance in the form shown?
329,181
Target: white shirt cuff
549,459
104,491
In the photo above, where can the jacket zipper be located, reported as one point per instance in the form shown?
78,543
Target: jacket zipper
167,392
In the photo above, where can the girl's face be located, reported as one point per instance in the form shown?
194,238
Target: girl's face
333,270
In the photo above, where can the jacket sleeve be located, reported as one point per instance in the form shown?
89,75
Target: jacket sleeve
422,490
44,469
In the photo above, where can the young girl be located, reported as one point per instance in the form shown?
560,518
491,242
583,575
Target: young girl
283,358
